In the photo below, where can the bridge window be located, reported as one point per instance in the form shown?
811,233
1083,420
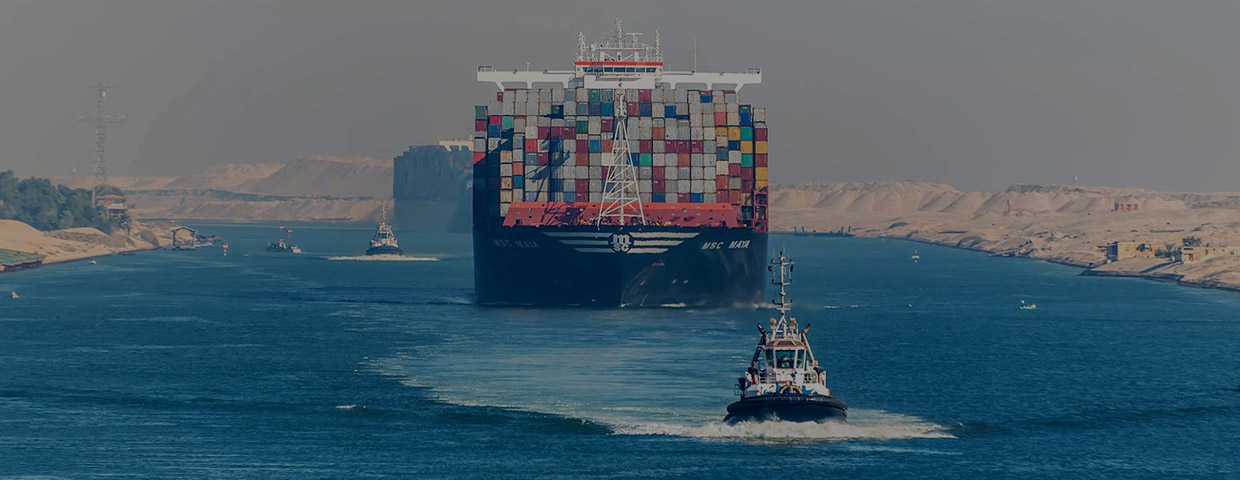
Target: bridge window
630,69
784,358
607,69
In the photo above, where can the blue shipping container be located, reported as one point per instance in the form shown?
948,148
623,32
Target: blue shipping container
492,130
518,181
745,119
695,197
556,185
734,144
669,111
570,196
721,153
596,146
707,98
596,109
555,146
644,109
657,197
609,109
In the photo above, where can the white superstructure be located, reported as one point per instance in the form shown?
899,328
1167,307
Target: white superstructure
621,61
784,362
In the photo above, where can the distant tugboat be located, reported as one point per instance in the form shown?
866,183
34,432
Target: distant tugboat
784,381
916,257
281,246
1027,306
384,241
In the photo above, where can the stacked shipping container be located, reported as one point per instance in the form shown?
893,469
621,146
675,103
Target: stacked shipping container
551,145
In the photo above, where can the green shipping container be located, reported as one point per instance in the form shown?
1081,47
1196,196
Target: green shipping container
595,95
646,159
746,159
583,126
746,133
507,122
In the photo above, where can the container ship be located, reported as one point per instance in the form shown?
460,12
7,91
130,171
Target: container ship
619,183
430,184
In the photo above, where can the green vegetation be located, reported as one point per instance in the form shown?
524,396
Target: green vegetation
35,201
1168,250
1191,241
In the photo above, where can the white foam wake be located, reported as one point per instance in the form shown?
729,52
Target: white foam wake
386,258
862,425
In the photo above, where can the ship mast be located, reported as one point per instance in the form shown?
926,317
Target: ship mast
783,304
620,193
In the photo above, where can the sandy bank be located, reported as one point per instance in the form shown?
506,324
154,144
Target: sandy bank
79,243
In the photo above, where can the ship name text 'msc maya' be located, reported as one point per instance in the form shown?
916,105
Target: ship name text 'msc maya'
619,183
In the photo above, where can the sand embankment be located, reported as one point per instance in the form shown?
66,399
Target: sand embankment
1059,223
318,188
78,243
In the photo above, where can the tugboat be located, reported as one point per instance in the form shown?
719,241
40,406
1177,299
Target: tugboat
281,246
1028,306
784,381
916,257
384,241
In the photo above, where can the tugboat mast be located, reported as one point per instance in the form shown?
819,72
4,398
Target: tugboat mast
783,304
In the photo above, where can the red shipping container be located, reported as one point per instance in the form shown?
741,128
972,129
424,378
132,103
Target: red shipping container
721,182
747,186
499,96
544,132
544,158
684,198
721,119
479,156
695,146
723,196
607,145
518,168
747,173
658,173
658,132
583,147
643,95
582,158
759,160
734,169
658,185
634,109
531,144
684,159
606,124
759,134
480,125
583,185
645,146
496,120
568,133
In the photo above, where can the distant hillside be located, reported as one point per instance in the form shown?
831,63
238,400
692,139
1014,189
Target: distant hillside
326,175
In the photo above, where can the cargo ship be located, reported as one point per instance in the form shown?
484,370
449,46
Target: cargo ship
619,183
430,184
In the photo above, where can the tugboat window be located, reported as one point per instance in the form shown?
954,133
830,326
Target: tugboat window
784,358
800,358
770,360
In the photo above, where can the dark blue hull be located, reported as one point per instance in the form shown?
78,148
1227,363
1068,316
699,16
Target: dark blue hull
619,266
384,250
788,408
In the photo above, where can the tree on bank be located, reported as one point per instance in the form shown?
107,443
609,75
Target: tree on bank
44,206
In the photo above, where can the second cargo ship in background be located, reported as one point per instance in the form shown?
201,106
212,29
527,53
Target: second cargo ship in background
619,183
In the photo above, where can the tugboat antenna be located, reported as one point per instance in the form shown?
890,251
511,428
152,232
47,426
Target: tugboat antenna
783,304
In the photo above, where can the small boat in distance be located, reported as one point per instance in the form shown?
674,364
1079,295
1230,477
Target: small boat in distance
281,246
1027,306
13,295
916,257
784,381
384,241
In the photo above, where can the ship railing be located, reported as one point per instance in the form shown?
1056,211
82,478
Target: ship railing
807,377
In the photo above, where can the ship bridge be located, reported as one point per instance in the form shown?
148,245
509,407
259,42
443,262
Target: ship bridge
622,61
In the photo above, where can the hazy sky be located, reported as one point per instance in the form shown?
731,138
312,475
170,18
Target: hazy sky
980,94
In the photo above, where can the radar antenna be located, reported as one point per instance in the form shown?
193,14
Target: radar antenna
621,198
784,278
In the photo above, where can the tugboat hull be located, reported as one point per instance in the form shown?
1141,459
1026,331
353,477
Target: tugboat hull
787,408
384,250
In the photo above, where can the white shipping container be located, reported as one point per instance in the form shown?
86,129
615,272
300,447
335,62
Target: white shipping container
734,156
643,173
684,186
695,108
697,186
596,127
644,185
492,143
709,196
596,172
695,133
596,184
670,188
671,173
521,96
734,118
684,173
596,196
658,145
708,172
570,109
656,110
544,109
734,183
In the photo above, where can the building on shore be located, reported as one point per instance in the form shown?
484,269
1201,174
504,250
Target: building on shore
1127,206
1197,254
1120,250
431,187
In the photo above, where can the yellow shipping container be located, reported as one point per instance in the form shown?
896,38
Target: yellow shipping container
760,147
760,183
506,184
760,173
734,133
747,146
505,156
721,132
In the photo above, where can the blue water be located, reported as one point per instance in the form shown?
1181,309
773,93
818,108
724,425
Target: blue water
319,365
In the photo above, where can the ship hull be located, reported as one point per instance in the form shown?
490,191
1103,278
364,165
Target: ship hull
384,250
788,408
619,266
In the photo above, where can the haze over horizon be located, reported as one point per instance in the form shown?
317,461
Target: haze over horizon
977,94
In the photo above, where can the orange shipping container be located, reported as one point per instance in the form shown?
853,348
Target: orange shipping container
734,133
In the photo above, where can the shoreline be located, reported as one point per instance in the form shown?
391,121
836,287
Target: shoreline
1087,269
